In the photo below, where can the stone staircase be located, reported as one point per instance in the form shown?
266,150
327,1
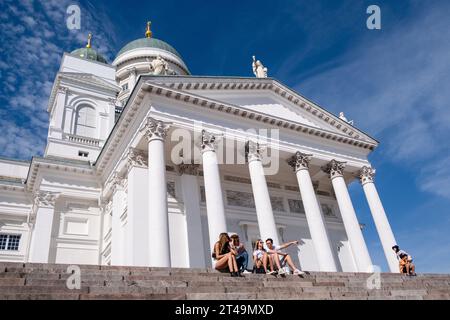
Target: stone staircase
48,281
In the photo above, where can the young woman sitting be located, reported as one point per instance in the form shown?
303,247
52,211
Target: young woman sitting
225,256
260,258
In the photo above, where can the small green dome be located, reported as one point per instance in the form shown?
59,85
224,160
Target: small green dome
149,43
89,54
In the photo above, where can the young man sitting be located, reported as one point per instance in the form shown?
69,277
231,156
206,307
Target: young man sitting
280,259
405,261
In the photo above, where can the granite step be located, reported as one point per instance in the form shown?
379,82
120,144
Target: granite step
49,281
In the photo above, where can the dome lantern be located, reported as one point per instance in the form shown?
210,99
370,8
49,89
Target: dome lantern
88,53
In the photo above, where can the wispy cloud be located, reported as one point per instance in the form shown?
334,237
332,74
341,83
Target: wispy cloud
34,37
395,86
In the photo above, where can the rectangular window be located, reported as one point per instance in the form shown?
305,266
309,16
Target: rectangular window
125,87
296,206
9,242
83,154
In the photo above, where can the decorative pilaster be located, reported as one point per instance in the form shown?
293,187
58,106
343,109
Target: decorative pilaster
118,181
119,198
189,169
136,158
190,193
45,199
42,217
384,230
316,223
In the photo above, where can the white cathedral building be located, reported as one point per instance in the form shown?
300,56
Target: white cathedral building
113,186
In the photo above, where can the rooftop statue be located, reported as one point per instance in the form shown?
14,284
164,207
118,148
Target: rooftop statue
342,116
159,66
258,68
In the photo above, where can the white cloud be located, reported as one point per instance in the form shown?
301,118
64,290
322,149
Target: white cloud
395,86
36,36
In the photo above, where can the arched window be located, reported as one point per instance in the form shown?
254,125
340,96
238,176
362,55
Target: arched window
86,121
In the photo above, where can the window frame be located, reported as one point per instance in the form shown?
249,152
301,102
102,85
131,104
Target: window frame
10,244
88,130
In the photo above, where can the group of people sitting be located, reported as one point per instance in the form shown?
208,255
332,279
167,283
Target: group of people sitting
230,255
405,262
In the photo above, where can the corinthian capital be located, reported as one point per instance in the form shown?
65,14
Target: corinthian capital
253,151
118,181
136,158
300,161
334,168
366,175
155,129
45,199
209,141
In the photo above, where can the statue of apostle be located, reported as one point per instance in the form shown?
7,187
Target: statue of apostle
258,69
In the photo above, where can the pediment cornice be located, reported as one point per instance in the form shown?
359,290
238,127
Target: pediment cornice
82,79
152,87
239,83
60,164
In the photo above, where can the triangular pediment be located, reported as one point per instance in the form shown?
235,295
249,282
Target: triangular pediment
264,96
89,79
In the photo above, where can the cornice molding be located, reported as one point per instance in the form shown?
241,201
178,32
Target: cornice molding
82,79
60,165
143,87
211,104
120,65
241,83
187,168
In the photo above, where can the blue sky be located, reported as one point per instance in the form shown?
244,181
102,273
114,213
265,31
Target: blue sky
393,82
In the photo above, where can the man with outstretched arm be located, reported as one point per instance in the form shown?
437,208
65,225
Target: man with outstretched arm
280,258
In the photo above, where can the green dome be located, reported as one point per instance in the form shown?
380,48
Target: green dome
89,54
149,43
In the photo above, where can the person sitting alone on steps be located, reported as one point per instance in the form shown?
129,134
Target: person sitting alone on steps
280,259
405,261
225,256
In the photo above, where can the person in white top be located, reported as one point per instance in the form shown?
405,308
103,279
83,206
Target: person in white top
260,258
280,259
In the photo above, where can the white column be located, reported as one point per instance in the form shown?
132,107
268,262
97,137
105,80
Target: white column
266,220
351,224
44,204
191,199
117,231
379,216
314,217
213,190
137,235
159,256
